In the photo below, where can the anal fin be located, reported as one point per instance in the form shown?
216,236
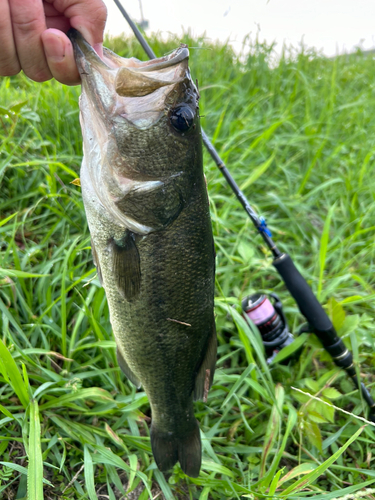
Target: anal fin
206,371
96,262
125,368
126,265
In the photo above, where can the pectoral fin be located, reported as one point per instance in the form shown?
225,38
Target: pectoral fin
206,371
125,368
126,265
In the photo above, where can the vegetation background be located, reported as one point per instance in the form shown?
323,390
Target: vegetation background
298,135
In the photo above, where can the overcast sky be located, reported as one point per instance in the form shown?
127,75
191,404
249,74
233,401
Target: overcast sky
335,26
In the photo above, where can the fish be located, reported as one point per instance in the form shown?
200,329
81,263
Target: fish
147,208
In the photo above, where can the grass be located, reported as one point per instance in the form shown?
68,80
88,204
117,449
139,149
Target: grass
299,138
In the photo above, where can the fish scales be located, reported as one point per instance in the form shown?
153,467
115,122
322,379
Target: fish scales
147,208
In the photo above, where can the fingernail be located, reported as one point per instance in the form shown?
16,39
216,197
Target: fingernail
55,49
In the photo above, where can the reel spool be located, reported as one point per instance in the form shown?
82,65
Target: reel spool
270,321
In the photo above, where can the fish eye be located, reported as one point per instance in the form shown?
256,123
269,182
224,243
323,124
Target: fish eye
182,118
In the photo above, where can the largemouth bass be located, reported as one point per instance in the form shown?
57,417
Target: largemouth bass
147,208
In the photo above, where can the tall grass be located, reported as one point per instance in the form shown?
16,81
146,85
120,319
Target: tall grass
299,138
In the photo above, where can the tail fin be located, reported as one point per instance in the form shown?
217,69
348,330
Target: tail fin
170,447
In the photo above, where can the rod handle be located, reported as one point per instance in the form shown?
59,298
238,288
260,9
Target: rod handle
313,311
307,303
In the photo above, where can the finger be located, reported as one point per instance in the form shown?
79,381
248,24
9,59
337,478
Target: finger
49,9
28,24
87,17
54,18
58,22
60,57
9,64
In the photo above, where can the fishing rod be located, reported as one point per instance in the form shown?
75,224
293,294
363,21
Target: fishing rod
307,303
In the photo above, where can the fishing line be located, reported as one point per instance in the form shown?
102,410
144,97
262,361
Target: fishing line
307,303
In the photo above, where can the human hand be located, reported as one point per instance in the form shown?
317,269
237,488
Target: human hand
33,39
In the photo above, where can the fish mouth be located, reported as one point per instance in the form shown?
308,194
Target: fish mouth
176,57
117,88
130,77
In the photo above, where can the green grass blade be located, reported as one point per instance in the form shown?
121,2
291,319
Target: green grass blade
273,427
94,394
106,456
299,470
217,468
17,467
205,492
20,274
133,469
270,475
35,467
257,172
7,219
22,470
64,297
12,375
345,493
324,247
7,412
313,475
311,166
89,474
274,482
237,384
164,486
290,349
255,341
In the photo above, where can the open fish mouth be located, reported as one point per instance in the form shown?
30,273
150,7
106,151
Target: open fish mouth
127,105
130,77
119,88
